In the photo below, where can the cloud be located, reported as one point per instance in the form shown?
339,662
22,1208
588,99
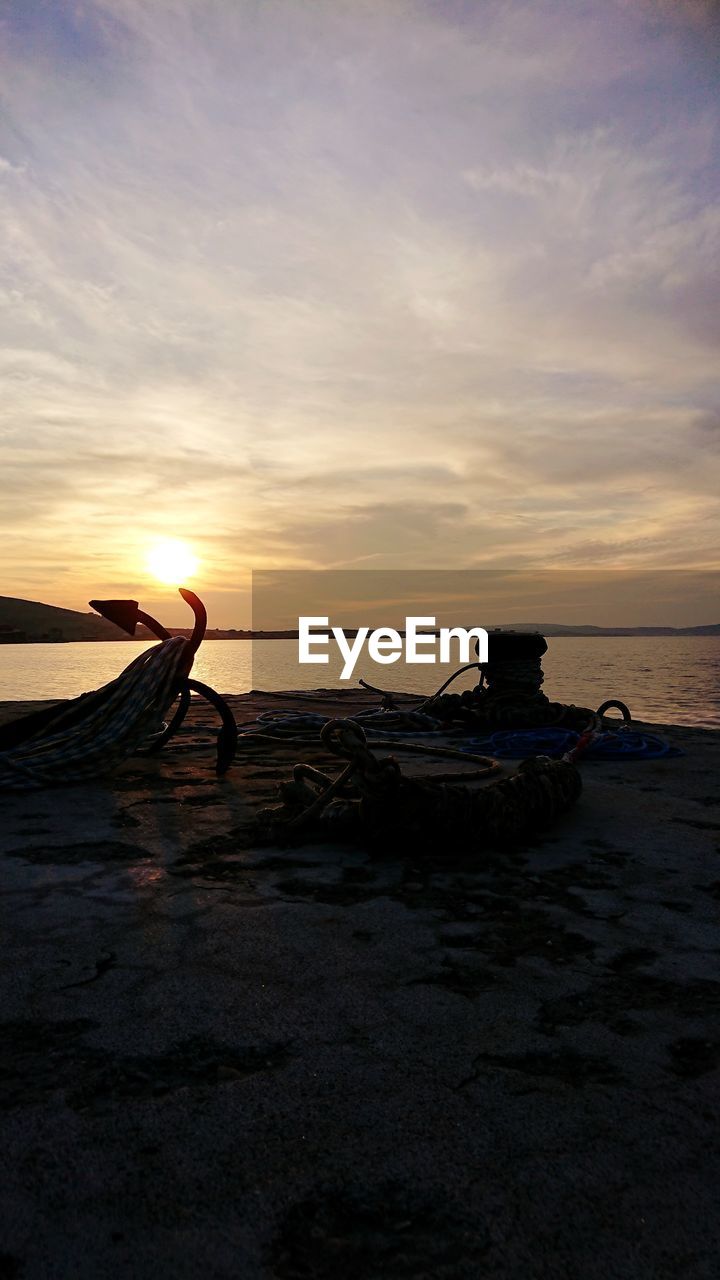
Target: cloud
707,430
362,280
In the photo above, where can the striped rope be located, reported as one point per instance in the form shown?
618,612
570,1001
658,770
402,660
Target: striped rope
94,735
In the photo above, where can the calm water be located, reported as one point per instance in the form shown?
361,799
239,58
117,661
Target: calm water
664,679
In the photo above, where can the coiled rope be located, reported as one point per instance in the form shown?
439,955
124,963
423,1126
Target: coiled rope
307,729
508,695
508,744
95,732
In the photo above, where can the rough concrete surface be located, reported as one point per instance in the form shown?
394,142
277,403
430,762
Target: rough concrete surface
221,1060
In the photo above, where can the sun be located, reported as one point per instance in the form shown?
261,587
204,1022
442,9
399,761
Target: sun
172,561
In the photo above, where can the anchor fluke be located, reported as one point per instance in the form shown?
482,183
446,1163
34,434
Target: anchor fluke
124,613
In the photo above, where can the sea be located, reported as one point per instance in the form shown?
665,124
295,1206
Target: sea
663,679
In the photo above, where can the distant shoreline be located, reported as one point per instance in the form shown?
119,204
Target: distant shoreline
550,632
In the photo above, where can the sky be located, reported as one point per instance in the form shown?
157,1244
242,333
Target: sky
356,284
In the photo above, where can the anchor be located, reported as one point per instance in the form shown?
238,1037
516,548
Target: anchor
127,614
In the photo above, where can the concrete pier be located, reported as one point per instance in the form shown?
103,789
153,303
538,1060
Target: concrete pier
232,1062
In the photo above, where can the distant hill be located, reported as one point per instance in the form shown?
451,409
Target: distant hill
27,620
564,629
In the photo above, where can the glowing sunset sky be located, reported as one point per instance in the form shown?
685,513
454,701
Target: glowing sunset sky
355,283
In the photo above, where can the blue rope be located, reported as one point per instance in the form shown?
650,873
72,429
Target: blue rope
505,744
628,744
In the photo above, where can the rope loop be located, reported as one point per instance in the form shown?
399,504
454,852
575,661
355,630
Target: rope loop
345,738
621,707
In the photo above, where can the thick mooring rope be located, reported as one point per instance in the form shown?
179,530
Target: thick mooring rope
508,695
372,799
